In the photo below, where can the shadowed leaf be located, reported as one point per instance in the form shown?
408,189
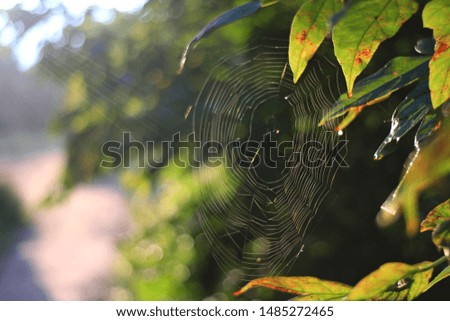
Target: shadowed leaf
441,236
228,17
363,27
438,215
396,74
410,111
424,168
305,287
393,281
431,165
430,123
309,28
436,16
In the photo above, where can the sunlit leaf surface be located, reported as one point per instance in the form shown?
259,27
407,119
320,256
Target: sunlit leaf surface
309,28
363,27
408,289
307,288
436,16
393,281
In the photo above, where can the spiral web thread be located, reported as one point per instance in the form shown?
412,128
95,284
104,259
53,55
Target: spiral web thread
256,219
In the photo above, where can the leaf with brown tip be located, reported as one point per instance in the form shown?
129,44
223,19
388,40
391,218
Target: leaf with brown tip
303,286
363,27
309,28
436,216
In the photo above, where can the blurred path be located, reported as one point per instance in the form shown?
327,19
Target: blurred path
68,251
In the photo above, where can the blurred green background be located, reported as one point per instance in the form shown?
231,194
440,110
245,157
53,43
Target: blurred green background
120,76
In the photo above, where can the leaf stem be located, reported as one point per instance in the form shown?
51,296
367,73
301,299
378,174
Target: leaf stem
436,263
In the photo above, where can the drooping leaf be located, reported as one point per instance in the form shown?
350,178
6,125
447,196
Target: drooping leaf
425,46
430,123
397,73
304,287
444,274
436,16
351,115
266,3
228,17
364,26
424,168
410,111
431,165
436,216
309,28
393,281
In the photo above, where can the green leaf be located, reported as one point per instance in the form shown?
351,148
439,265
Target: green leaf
410,111
397,73
419,284
436,216
309,28
228,17
393,281
321,297
409,288
363,27
444,274
266,3
436,16
305,287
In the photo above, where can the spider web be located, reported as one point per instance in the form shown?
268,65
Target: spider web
256,219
